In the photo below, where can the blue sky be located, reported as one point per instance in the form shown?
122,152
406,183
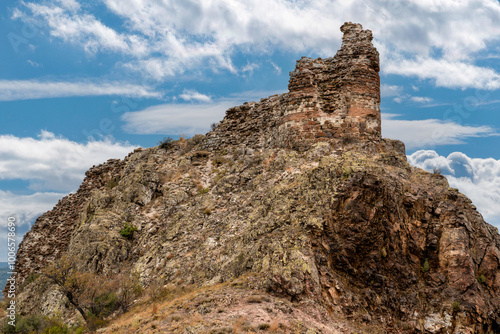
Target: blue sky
82,82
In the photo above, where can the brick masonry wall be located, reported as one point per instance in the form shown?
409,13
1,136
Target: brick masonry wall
328,99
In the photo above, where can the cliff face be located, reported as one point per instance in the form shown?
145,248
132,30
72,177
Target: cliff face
296,200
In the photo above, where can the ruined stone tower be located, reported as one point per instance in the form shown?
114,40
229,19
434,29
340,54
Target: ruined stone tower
328,99
339,96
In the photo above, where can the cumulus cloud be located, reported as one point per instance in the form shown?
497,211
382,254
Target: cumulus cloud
53,163
477,178
430,132
11,90
437,40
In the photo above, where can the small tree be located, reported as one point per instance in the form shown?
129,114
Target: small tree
437,171
213,126
93,295
166,143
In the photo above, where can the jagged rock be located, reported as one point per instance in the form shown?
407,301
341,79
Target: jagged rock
297,198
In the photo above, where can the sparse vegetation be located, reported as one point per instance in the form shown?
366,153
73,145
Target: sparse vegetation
202,191
31,278
213,126
196,139
255,299
263,327
275,325
207,211
94,296
128,231
166,143
218,160
481,279
426,266
437,171
36,323
456,306
113,183
383,252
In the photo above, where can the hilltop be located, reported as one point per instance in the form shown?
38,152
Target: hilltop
293,215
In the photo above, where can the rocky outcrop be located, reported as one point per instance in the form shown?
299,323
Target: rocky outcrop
294,199
51,234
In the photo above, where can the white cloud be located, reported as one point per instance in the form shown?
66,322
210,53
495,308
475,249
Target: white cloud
397,92
446,73
479,179
33,63
430,132
250,67
430,40
421,99
176,119
390,90
277,69
11,90
26,208
70,4
53,166
66,22
22,210
53,163
188,119
194,96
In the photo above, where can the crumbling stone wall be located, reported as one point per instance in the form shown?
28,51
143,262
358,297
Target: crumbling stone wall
328,99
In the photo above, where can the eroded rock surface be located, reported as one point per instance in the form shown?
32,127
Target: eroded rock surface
296,197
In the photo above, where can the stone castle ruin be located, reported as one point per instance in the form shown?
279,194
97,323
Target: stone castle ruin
328,99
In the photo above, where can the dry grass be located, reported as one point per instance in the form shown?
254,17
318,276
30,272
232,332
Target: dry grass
275,325
154,310
238,326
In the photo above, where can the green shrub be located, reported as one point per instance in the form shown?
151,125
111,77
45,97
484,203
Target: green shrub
29,324
384,252
57,329
481,279
31,278
437,171
104,304
113,183
426,266
128,231
196,139
456,306
166,143
264,327
218,160
6,328
203,191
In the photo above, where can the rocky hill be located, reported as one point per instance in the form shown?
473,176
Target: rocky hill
294,215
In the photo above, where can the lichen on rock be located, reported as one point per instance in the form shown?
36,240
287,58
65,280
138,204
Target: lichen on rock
296,198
